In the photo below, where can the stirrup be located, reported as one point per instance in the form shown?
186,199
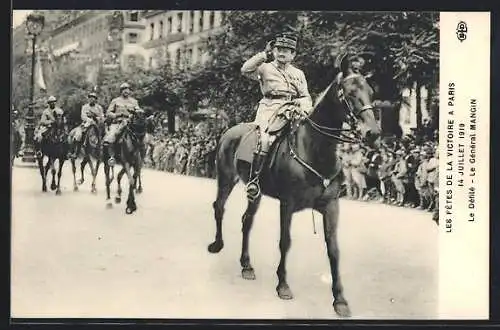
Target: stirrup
253,190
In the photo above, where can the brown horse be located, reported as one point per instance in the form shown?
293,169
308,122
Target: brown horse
129,153
306,172
90,149
55,146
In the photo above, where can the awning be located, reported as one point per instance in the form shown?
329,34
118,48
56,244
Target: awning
66,49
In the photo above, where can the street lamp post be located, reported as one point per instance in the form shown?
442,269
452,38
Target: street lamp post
34,25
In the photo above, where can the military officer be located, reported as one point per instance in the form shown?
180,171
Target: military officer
91,113
280,82
48,118
118,112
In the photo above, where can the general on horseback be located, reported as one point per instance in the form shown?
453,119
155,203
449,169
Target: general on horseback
124,140
51,141
300,167
85,140
119,111
92,115
280,83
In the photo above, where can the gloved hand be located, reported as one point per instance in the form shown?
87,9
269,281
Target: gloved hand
269,50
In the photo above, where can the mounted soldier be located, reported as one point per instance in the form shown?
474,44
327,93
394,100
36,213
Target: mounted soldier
48,118
280,83
119,110
91,114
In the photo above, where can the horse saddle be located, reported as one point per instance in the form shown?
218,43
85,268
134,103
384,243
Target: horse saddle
249,143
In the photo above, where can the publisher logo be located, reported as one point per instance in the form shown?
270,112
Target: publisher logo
461,31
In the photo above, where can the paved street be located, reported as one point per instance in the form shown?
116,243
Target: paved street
72,257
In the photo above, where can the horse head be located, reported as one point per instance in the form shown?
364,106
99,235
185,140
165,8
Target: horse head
351,91
58,131
138,122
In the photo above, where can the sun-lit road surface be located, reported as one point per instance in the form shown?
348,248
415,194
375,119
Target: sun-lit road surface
72,257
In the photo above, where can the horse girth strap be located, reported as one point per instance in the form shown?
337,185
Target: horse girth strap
325,181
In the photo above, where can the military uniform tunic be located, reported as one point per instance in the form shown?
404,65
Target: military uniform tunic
119,108
289,83
46,120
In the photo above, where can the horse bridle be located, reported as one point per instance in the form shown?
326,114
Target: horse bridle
352,116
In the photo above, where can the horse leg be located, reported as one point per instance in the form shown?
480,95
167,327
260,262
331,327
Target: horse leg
82,168
118,197
108,183
93,188
247,271
59,174
92,169
131,206
225,185
42,173
286,212
73,168
53,185
138,178
330,221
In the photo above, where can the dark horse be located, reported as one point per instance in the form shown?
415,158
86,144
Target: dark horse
306,172
129,154
146,151
90,149
55,146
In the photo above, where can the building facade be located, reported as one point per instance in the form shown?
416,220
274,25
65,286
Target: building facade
178,36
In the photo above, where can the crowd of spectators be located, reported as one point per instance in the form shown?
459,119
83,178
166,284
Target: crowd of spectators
402,172
184,152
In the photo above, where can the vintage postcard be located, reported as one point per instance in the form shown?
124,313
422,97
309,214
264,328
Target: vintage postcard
258,165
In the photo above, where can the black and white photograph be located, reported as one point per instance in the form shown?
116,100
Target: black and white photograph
214,164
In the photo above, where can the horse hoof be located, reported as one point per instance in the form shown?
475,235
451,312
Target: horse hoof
130,210
118,200
284,292
81,182
93,191
44,189
53,187
342,309
248,274
75,188
139,191
215,247
109,205
58,192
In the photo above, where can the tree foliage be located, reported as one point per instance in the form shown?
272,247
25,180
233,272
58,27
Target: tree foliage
401,49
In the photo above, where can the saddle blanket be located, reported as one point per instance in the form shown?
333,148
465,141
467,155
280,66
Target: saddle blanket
248,145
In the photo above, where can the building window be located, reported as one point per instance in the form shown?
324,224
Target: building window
169,28
189,56
202,13
161,29
212,20
178,58
132,38
191,21
134,16
179,20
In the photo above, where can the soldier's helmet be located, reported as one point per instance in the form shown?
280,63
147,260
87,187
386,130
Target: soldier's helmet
92,94
287,38
51,99
123,86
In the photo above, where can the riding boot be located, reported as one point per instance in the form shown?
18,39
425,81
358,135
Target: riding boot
253,187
